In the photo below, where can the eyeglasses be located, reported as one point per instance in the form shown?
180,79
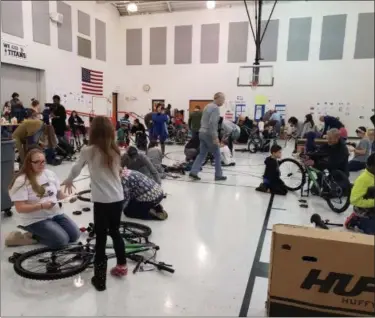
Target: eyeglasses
38,162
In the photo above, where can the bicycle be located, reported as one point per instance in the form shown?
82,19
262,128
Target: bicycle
256,143
331,186
55,264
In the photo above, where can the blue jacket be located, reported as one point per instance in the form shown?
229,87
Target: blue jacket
331,122
159,125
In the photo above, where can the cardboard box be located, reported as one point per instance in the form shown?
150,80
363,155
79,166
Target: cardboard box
321,273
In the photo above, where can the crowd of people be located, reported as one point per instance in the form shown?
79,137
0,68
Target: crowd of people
131,184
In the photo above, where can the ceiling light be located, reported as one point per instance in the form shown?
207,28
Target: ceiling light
132,7
211,4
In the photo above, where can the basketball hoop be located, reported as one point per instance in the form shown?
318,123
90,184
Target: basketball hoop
253,85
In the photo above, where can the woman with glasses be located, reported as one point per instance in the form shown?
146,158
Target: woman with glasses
35,192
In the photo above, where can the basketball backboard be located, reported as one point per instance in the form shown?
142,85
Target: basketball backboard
246,75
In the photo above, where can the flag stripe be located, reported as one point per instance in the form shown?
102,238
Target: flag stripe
92,82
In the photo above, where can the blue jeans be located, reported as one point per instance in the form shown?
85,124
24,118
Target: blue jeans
56,232
207,145
355,165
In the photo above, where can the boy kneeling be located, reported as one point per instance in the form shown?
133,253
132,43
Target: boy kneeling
271,178
362,199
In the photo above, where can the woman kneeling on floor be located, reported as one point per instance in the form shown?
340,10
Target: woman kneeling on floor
142,196
35,192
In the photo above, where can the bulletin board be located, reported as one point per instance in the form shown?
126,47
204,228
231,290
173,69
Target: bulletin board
351,115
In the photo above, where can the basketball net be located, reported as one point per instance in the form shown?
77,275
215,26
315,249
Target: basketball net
253,84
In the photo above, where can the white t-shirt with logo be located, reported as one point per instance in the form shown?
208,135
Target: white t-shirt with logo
22,191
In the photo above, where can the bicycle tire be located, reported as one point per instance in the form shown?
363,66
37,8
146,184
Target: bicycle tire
256,145
81,197
301,169
46,276
134,230
346,205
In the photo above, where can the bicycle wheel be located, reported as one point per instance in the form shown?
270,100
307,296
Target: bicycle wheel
130,230
80,195
254,145
292,173
338,191
52,264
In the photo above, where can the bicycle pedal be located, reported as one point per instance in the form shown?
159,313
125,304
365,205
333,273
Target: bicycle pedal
303,205
302,201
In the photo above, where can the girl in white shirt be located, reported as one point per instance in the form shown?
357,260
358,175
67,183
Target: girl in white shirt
35,192
103,159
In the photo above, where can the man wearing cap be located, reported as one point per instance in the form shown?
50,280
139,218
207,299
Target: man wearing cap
361,151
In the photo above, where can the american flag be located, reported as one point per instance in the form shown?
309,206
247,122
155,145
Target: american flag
92,82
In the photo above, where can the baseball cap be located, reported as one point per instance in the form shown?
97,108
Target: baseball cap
361,129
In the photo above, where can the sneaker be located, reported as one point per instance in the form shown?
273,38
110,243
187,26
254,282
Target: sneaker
222,178
262,188
351,221
16,238
194,177
119,270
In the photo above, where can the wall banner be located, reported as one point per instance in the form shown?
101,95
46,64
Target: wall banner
14,50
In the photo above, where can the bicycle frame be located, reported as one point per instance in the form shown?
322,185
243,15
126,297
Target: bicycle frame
311,176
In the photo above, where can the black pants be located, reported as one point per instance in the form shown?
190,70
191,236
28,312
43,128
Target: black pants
278,187
141,210
230,143
107,218
79,128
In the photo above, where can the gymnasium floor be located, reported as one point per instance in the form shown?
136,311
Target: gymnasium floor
217,237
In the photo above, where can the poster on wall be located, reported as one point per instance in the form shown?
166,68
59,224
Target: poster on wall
281,109
240,110
13,50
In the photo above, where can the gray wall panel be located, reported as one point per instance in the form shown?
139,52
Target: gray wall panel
333,37
11,18
100,40
210,40
84,47
364,44
237,42
134,47
64,30
183,44
84,23
41,22
270,41
158,46
299,39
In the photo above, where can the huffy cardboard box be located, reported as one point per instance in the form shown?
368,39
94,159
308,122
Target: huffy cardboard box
316,273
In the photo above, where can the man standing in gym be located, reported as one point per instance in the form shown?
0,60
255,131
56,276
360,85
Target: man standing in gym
209,138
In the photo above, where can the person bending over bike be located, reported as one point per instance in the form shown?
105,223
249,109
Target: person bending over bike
134,160
362,199
35,192
333,155
142,196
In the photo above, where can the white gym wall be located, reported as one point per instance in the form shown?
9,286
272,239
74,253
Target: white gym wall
298,84
58,57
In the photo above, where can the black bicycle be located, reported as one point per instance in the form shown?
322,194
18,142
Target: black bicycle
334,187
53,264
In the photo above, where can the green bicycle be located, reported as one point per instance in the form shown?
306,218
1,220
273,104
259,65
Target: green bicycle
50,264
334,187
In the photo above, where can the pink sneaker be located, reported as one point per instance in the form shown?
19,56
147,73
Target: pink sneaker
119,271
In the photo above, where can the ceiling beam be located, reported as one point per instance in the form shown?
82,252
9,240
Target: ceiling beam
169,6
